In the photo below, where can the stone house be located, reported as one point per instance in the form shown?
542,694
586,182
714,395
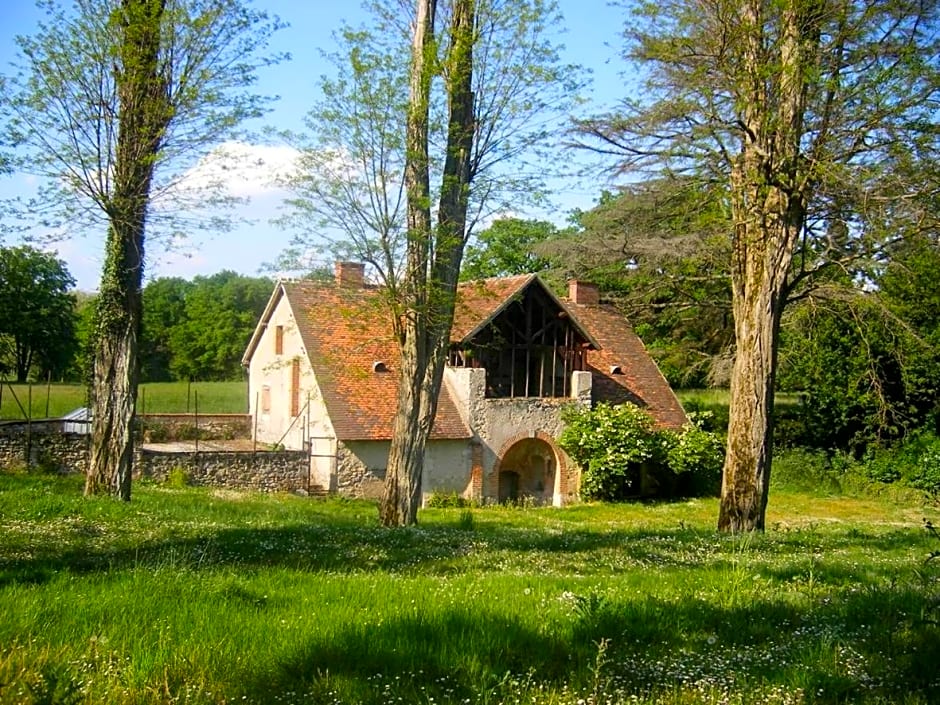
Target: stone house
323,369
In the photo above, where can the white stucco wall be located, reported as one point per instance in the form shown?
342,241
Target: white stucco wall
267,368
361,468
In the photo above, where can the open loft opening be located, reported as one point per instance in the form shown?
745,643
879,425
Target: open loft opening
529,347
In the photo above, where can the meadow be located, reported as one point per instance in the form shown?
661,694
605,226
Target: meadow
54,400
193,595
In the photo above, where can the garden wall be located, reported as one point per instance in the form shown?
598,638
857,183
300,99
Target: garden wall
44,445
267,471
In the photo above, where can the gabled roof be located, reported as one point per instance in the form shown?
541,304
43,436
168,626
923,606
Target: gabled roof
480,301
346,331
622,368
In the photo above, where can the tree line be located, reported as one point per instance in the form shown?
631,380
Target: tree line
194,329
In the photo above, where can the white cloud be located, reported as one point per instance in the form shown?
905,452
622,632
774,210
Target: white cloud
241,170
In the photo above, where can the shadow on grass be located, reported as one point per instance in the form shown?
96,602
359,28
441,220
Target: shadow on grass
827,650
326,544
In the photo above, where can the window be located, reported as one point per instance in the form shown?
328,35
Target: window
266,399
295,387
279,340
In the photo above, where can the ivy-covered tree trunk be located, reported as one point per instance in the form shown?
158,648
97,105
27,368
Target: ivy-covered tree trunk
434,255
144,113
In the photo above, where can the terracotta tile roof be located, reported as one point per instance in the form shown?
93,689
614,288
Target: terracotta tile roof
638,379
478,301
345,332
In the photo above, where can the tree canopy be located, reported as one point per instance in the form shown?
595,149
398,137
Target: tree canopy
37,318
508,247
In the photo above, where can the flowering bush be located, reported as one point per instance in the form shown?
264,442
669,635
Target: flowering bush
623,454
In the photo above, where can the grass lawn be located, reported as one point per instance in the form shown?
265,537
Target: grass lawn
55,400
199,596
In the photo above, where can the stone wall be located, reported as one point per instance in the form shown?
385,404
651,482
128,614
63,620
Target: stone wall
267,471
42,445
360,468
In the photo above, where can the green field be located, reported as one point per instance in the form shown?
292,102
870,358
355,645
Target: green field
53,401
189,595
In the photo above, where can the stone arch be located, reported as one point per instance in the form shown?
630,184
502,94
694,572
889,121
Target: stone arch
539,467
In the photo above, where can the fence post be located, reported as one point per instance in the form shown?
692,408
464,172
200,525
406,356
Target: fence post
29,427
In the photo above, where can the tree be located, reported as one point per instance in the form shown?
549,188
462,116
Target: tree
37,316
866,359
218,317
659,250
805,109
507,247
350,183
432,253
164,309
482,85
115,101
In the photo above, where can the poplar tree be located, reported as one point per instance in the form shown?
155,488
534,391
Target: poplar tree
431,124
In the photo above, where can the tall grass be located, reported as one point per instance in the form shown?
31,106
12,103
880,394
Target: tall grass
52,401
199,596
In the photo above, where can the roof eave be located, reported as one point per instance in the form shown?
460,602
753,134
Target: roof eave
263,323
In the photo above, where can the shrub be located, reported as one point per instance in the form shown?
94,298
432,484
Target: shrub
623,454
806,470
696,456
447,500
177,478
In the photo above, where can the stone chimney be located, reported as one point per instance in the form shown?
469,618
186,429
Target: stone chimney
350,274
581,292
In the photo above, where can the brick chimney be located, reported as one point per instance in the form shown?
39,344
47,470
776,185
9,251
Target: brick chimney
350,274
581,292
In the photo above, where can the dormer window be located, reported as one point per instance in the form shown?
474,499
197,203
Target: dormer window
379,366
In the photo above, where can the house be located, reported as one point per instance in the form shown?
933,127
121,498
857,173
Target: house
323,370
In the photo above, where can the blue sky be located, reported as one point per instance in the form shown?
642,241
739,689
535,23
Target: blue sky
591,37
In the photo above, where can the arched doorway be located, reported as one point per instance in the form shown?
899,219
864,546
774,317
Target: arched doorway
528,470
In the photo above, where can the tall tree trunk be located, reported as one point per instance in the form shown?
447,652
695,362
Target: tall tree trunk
433,257
758,300
406,456
144,115
769,187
